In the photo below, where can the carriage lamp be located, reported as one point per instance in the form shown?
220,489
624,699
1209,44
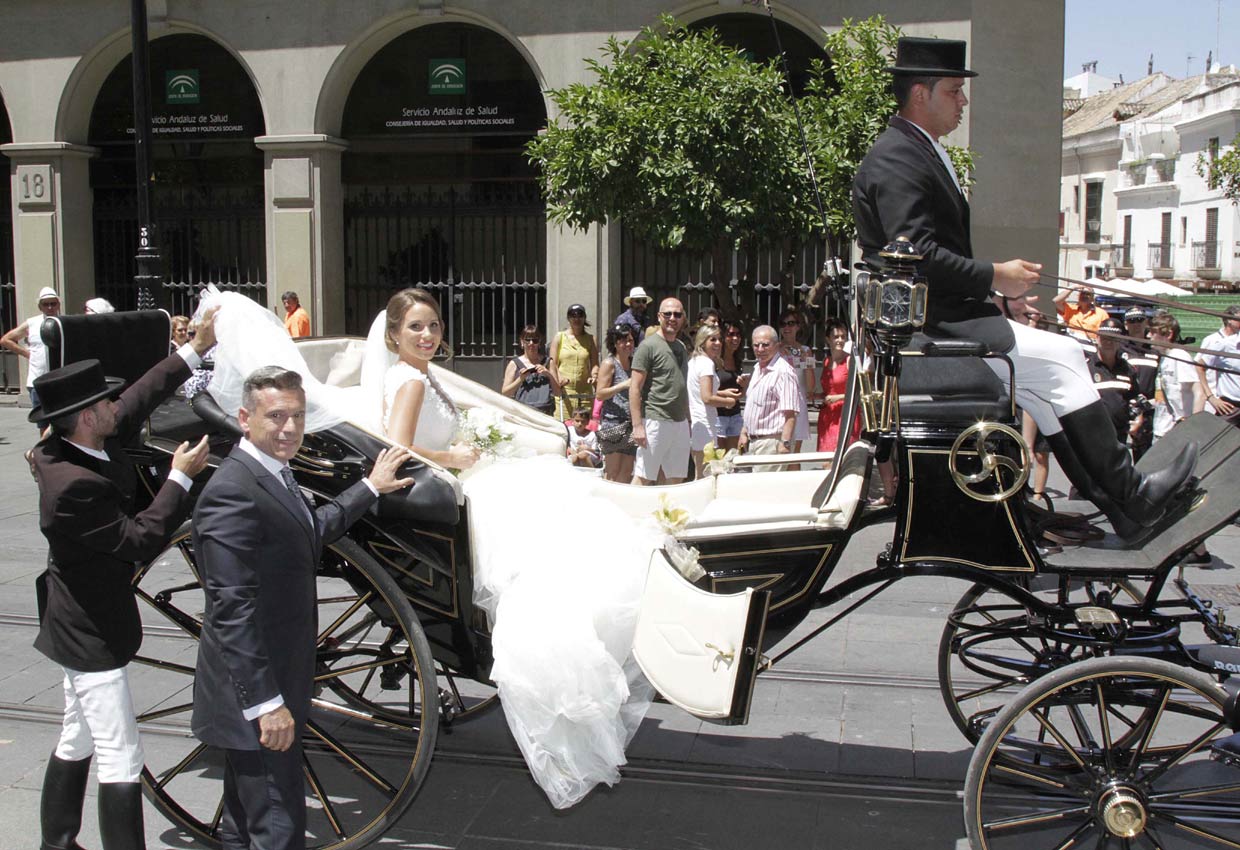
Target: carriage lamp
893,301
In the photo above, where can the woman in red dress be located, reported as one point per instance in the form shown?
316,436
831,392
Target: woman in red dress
834,382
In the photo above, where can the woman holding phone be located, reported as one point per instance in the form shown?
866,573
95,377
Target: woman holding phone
527,378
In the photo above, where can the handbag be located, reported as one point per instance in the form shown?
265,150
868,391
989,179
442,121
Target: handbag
616,432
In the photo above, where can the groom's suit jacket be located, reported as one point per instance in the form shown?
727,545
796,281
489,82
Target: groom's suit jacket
903,188
257,552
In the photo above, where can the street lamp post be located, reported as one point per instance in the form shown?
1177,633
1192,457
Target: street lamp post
150,263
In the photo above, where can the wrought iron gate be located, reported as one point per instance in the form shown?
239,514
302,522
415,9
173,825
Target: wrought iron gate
687,275
481,247
207,234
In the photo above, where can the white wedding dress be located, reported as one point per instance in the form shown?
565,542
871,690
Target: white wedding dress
559,571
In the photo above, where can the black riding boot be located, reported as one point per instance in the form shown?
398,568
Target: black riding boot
1135,501
1084,485
60,807
120,816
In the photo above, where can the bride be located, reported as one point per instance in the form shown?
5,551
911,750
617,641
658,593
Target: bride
563,606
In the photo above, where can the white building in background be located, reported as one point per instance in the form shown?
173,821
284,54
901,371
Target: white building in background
1130,193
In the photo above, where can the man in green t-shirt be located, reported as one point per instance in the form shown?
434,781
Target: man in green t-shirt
659,401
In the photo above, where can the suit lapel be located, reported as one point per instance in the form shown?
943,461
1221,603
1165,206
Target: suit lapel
276,488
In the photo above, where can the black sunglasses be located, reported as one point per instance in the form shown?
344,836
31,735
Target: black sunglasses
672,314
576,315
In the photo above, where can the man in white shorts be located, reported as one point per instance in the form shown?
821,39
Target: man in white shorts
659,401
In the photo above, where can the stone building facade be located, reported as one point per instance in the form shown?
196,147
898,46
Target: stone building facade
343,149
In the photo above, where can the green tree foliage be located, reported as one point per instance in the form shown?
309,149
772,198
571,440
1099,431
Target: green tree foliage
685,139
847,111
1224,171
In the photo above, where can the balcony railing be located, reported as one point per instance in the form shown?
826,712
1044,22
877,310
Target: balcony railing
1121,257
1161,255
1205,255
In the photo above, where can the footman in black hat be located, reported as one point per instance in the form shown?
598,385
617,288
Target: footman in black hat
89,622
906,187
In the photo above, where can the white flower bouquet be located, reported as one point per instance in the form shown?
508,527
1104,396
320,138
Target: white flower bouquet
486,430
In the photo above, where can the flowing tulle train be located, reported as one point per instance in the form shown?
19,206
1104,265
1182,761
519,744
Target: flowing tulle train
562,580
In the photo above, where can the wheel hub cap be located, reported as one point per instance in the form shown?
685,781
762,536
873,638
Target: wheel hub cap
1122,812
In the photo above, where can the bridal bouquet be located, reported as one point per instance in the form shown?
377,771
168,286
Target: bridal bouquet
485,429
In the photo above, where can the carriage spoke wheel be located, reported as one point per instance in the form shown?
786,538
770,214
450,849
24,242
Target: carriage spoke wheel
366,749
1112,752
989,650
987,653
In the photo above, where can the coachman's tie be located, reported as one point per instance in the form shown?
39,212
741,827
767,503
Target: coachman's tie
286,475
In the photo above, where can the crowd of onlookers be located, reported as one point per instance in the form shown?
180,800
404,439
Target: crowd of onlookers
694,387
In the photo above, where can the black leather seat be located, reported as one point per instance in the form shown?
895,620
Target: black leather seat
127,344
946,380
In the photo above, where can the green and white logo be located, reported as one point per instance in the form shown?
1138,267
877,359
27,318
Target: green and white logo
447,76
181,86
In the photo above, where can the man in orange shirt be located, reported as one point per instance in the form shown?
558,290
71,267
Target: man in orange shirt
1084,317
296,319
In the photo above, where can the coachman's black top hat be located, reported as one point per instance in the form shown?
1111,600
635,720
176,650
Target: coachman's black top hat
72,388
930,57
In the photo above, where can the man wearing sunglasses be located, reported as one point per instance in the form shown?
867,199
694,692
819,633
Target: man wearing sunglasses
659,401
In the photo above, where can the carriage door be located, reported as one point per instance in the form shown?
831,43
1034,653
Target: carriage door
9,375
438,192
208,193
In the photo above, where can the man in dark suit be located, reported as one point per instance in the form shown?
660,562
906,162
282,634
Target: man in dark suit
257,542
907,187
89,621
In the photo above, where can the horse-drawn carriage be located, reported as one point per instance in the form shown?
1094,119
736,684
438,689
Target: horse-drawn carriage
1133,744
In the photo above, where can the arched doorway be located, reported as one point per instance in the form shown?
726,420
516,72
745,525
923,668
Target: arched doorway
438,192
208,193
687,274
8,285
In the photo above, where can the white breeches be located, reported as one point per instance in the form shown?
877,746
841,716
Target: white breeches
1052,379
99,719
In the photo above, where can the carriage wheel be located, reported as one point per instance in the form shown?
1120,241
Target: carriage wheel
1112,752
987,653
362,768
989,650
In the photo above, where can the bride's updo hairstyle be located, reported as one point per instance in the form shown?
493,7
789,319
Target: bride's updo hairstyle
398,305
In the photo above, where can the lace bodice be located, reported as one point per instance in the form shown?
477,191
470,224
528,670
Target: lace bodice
436,421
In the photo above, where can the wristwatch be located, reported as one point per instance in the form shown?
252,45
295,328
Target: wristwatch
787,444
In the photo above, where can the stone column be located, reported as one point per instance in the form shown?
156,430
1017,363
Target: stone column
577,274
53,233
305,226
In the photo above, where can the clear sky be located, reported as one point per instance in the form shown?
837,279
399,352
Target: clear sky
1121,35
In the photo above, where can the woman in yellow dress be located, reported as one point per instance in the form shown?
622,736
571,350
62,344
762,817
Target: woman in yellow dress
574,364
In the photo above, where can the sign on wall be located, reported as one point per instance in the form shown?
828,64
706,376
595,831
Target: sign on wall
475,83
181,86
447,76
205,95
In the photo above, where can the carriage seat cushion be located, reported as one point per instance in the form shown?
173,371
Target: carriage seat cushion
949,389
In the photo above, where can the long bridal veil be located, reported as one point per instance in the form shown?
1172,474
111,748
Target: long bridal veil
251,337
